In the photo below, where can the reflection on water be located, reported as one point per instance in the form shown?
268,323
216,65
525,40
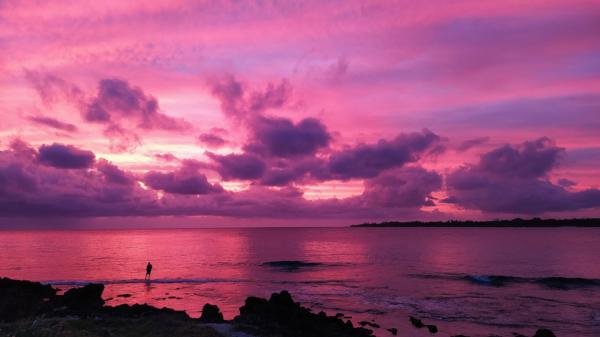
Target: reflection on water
464,279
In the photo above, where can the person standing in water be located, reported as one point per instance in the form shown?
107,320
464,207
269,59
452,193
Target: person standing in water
148,271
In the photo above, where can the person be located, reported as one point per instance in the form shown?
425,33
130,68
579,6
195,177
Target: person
148,271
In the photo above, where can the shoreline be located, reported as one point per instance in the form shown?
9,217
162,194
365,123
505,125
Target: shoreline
34,309
513,223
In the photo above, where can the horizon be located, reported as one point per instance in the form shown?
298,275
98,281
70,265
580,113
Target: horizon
170,114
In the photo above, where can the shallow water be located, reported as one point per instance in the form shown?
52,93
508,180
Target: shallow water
474,281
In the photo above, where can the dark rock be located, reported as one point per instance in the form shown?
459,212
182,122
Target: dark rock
281,316
20,299
124,295
373,325
544,333
141,310
211,314
82,301
432,328
460,336
516,334
393,331
417,323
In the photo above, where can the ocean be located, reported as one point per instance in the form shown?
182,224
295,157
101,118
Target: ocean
471,281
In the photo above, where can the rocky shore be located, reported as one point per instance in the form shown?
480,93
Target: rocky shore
34,309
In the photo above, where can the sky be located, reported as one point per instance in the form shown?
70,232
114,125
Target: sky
297,113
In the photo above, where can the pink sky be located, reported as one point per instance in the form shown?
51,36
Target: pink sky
298,113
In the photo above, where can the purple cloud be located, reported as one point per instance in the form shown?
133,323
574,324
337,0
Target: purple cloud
405,187
471,143
65,156
238,103
280,137
117,97
113,174
239,166
53,123
211,140
530,159
368,160
52,88
514,179
181,182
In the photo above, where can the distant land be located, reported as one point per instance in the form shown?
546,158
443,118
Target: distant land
535,222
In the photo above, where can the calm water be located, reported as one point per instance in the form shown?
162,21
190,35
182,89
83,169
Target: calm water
380,274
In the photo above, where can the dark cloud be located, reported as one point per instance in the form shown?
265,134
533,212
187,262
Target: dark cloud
181,182
514,179
283,171
239,166
29,188
368,160
405,187
530,159
239,103
116,98
211,140
53,123
113,174
280,137
471,143
65,156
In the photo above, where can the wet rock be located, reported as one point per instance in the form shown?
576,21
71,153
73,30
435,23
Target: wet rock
393,331
141,310
281,316
365,323
211,314
417,323
432,328
20,299
82,301
544,333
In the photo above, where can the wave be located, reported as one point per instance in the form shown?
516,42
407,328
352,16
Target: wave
554,282
132,281
291,265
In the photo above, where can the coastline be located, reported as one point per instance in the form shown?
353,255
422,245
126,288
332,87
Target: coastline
34,309
513,223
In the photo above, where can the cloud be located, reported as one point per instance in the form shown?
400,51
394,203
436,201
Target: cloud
29,188
530,159
369,160
239,103
52,88
211,139
239,166
514,179
116,98
114,174
167,157
280,137
53,123
405,187
121,139
471,143
65,156
181,182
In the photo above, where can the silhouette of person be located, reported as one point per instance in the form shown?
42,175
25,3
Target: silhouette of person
148,271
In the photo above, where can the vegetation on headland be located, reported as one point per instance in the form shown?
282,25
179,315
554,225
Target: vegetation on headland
525,223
